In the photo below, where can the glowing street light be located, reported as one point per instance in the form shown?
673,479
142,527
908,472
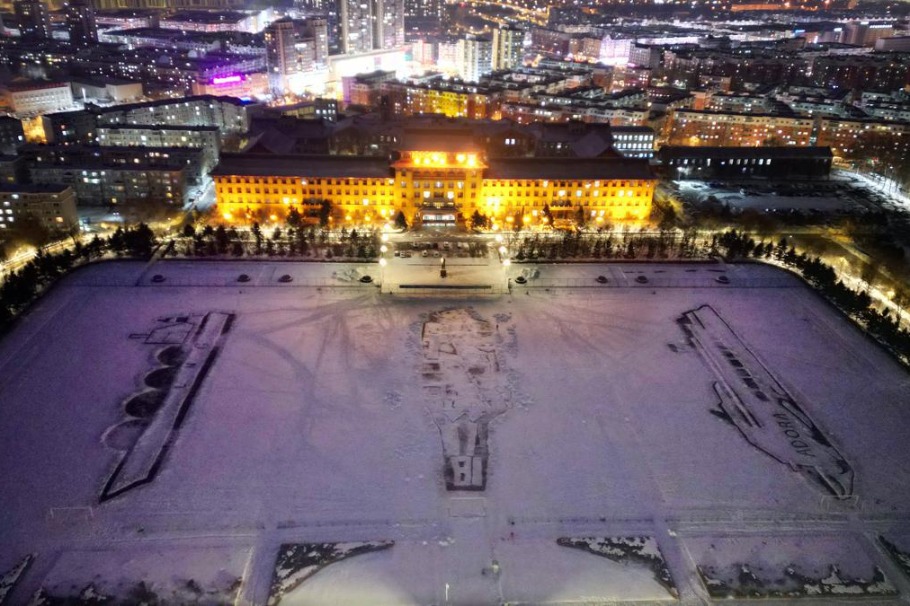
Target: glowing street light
383,249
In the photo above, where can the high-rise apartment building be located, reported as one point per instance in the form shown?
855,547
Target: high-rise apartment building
330,11
388,23
508,47
80,22
368,25
423,8
475,57
280,53
356,18
294,46
34,20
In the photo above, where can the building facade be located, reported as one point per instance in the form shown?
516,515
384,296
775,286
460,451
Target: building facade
880,145
474,57
733,129
294,46
368,25
39,97
110,184
508,48
204,138
739,163
52,206
11,135
34,19
442,184
80,23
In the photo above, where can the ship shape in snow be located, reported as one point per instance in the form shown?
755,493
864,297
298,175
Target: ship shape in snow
465,386
760,408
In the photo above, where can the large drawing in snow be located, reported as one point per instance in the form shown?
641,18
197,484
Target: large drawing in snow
465,388
188,347
764,412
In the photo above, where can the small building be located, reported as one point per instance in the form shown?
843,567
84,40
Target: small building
33,98
52,205
11,134
778,163
13,169
109,90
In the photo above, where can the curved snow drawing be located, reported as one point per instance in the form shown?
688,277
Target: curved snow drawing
760,408
192,344
466,388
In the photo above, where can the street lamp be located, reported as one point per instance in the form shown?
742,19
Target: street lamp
382,264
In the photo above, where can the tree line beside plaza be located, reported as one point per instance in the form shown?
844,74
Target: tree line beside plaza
24,285
627,244
857,304
296,240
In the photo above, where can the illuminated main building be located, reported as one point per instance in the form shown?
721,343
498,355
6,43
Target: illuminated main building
435,179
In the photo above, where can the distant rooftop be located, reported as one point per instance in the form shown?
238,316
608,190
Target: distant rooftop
453,139
265,165
219,16
568,168
776,152
32,188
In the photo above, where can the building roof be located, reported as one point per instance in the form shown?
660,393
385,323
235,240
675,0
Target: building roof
442,139
781,152
126,107
168,127
568,168
204,16
292,165
32,188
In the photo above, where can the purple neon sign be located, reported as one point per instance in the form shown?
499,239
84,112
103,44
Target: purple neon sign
228,79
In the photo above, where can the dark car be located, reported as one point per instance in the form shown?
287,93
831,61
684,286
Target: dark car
366,279
601,279
641,279
285,279
521,280
243,278
722,280
157,278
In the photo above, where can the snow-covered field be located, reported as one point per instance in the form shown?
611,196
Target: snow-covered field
328,413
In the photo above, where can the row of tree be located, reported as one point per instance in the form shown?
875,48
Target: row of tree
292,241
882,325
22,286
664,244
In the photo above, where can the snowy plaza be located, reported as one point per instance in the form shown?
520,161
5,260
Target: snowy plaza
529,434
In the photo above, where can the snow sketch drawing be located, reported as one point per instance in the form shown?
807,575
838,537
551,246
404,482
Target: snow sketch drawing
190,347
753,400
465,388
